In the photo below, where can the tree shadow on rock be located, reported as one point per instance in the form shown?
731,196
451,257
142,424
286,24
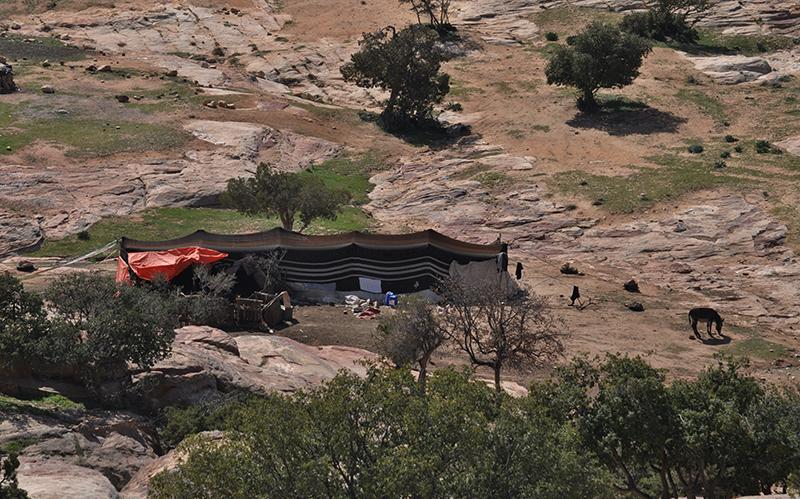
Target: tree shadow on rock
430,133
621,117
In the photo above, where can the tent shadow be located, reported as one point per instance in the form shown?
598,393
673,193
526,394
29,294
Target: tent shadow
622,118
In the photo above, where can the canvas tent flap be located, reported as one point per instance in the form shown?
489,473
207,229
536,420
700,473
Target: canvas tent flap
148,265
485,271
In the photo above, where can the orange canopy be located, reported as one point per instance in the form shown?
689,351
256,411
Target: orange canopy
149,264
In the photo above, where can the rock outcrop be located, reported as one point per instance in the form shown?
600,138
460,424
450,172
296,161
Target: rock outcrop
7,85
206,362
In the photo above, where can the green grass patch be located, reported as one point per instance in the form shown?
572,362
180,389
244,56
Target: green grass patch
46,405
470,171
757,348
460,90
710,106
675,176
713,41
492,179
569,20
39,49
89,137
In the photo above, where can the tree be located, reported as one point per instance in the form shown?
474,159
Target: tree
374,437
23,322
437,11
285,195
99,327
601,56
9,488
406,63
411,335
497,330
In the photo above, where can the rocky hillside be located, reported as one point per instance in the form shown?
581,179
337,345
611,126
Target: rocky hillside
132,116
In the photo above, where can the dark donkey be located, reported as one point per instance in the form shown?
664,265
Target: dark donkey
707,315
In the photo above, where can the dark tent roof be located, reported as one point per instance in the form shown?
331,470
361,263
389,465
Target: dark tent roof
282,239
403,262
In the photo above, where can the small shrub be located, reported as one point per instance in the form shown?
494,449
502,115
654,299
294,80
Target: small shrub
696,149
763,147
84,235
551,36
719,164
455,107
738,149
731,139
692,80
725,154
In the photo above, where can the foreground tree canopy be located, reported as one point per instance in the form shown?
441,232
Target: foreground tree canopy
94,327
601,56
288,196
609,429
406,63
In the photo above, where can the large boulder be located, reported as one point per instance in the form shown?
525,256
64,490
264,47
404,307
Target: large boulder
206,362
7,84
730,70
59,480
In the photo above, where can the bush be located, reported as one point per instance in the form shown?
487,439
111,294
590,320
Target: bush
84,235
601,56
696,149
9,487
551,36
731,139
763,147
609,429
99,327
24,327
376,437
738,149
660,25
720,163
725,154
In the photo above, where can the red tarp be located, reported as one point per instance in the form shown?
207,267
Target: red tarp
149,264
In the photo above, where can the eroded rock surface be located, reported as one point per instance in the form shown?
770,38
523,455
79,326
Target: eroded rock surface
712,250
206,362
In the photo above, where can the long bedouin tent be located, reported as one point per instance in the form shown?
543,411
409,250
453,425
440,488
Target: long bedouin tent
353,261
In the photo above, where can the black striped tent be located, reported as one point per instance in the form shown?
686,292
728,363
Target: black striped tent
400,263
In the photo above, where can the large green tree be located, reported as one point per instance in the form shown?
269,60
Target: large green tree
406,63
288,196
23,322
100,327
601,56
9,487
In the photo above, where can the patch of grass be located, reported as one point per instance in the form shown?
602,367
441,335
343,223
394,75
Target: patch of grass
492,179
790,216
459,90
713,41
91,138
470,171
516,134
46,405
565,21
503,87
675,176
758,348
675,348
39,49
710,106
541,128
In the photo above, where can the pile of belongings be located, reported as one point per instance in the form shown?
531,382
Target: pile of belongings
363,309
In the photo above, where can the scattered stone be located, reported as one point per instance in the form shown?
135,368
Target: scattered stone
172,73
568,269
105,68
25,266
122,98
680,227
47,89
631,286
46,64
635,306
7,84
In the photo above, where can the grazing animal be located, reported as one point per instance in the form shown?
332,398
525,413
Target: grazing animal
707,315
